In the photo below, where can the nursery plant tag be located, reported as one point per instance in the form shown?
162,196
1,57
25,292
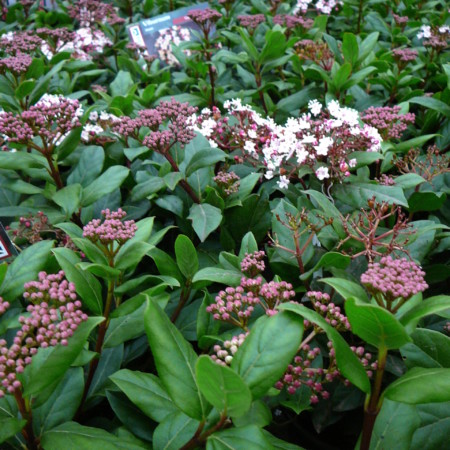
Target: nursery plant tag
6,246
160,32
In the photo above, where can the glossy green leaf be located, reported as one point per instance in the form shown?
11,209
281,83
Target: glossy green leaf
130,254
440,304
174,431
222,387
175,361
91,250
394,426
73,436
68,198
106,183
330,259
266,352
420,385
350,48
205,219
249,438
86,285
60,359
9,427
375,325
346,288
147,392
186,256
349,365
206,157
25,268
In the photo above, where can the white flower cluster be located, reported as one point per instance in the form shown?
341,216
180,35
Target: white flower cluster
168,36
321,139
97,124
322,6
86,42
426,32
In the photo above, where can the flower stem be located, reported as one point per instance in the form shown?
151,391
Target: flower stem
373,403
25,411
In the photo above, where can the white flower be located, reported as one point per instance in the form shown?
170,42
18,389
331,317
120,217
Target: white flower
315,107
324,145
93,116
322,173
269,174
252,134
425,32
283,182
352,162
89,130
249,147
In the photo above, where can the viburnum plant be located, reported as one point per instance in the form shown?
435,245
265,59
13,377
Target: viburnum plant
239,241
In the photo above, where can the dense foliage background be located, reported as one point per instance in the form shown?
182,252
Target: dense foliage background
241,242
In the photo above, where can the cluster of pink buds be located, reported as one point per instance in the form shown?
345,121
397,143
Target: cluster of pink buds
291,22
223,355
177,116
332,313
273,294
90,13
19,42
233,305
301,372
228,182
51,119
405,55
17,64
112,229
251,21
388,120
367,360
394,279
386,180
253,263
54,315
204,16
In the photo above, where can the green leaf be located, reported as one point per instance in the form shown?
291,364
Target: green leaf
350,48
223,387
186,255
266,352
250,438
367,45
121,84
73,436
357,194
68,198
375,325
440,304
426,201
349,365
432,103
330,259
104,184
25,268
259,414
434,427
218,275
394,426
90,250
86,285
20,161
165,264
100,270
346,288
421,385
430,349
130,254
205,219
248,245
341,75
3,270
205,157
405,146
69,144
147,392
174,431
63,403
9,427
175,361
25,88
60,359
89,166
409,180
